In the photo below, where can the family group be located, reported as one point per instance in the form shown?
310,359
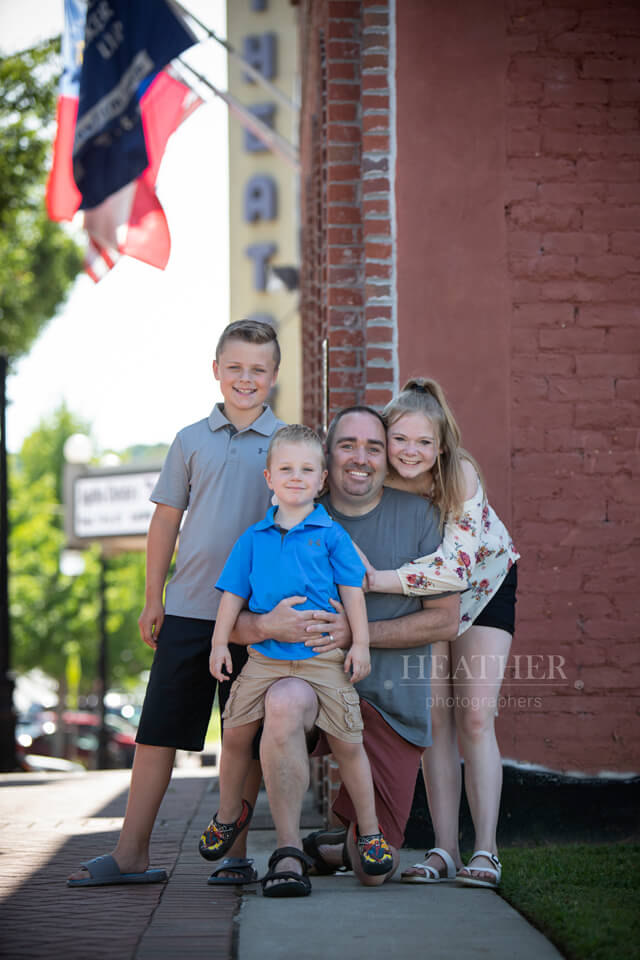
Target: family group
308,576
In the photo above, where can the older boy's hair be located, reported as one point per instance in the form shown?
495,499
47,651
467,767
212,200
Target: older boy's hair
250,331
295,433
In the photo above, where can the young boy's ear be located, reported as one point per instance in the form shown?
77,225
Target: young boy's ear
267,476
323,482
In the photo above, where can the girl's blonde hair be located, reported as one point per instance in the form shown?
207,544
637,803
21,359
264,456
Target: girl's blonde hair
422,395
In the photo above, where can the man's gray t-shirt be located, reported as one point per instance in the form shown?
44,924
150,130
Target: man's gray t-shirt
402,527
215,473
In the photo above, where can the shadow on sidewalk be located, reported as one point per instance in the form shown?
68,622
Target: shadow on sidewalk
44,836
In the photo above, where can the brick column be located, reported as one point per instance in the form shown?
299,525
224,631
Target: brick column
378,137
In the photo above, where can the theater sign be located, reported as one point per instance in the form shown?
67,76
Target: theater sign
264,253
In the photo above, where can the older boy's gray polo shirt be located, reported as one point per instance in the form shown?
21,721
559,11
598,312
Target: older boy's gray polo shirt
215,473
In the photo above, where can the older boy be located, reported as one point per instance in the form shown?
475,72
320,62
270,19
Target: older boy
214,470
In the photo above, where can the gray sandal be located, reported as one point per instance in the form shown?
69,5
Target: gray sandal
104,871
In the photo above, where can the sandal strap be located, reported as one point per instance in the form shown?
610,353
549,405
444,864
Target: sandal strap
283,852
446,858
428,870
488,855
497,873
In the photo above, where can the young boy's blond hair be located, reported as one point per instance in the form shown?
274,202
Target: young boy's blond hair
296,433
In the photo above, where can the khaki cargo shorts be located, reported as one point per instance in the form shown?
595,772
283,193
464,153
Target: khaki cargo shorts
338,703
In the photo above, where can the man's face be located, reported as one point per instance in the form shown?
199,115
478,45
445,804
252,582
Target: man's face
358,461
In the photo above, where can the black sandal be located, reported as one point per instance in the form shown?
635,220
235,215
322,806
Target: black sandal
312,843
239,865
297,884
220,837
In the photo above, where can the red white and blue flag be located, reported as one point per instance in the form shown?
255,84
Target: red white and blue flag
112,132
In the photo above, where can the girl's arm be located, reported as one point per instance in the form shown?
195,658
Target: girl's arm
228,613
357,659
451,566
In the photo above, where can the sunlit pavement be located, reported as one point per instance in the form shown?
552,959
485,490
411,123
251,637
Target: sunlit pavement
50,823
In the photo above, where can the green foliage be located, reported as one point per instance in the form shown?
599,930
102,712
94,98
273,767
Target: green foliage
38,260
42,452
583,898
53,616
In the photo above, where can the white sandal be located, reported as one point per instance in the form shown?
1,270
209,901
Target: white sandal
476,881
431,875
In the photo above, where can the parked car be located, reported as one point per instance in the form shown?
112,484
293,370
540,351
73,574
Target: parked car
78,739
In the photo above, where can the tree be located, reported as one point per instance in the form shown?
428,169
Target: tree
54,616
38,260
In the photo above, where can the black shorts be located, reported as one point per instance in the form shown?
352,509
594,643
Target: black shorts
500,612
179,698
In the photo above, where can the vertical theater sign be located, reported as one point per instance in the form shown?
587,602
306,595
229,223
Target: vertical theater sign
263,182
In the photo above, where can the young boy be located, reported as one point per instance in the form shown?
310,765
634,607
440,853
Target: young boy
297,550
214,470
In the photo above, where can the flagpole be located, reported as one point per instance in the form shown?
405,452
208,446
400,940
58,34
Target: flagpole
251,70
271,138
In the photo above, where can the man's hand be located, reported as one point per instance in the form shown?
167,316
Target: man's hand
331,631
150,622
220,657
358,661
282,623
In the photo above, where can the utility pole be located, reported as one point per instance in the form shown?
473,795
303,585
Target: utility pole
7,714
103,682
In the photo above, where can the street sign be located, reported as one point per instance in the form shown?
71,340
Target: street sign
112,504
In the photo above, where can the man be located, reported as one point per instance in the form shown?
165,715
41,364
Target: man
391,527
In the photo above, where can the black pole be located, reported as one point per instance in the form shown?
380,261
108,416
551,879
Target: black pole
7,715
103,759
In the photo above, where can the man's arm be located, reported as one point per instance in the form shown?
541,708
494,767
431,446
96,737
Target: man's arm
438,620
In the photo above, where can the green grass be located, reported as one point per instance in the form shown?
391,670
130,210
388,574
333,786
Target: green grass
585,899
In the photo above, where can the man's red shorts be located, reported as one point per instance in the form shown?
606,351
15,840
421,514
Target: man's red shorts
394,767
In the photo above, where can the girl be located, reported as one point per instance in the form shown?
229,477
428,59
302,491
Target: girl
477,556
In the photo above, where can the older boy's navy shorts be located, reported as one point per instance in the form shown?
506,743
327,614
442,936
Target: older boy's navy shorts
179,698
500,612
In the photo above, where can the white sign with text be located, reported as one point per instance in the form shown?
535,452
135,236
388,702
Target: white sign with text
113,505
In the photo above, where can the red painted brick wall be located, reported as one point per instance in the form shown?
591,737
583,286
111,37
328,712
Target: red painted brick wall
573,217
566,257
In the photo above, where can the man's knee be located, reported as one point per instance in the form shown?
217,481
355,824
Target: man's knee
290,704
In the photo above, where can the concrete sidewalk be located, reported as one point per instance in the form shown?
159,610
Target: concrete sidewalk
49,823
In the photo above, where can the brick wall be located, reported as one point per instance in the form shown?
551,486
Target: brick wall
347,161
572,275
573,216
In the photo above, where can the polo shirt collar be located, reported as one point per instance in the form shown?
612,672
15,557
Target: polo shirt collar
264,424
317,518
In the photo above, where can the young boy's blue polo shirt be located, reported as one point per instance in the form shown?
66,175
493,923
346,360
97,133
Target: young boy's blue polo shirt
266,565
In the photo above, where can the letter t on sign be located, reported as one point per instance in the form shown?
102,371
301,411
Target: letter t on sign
260,254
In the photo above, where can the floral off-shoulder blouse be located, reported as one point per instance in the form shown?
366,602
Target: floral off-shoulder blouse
475,556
